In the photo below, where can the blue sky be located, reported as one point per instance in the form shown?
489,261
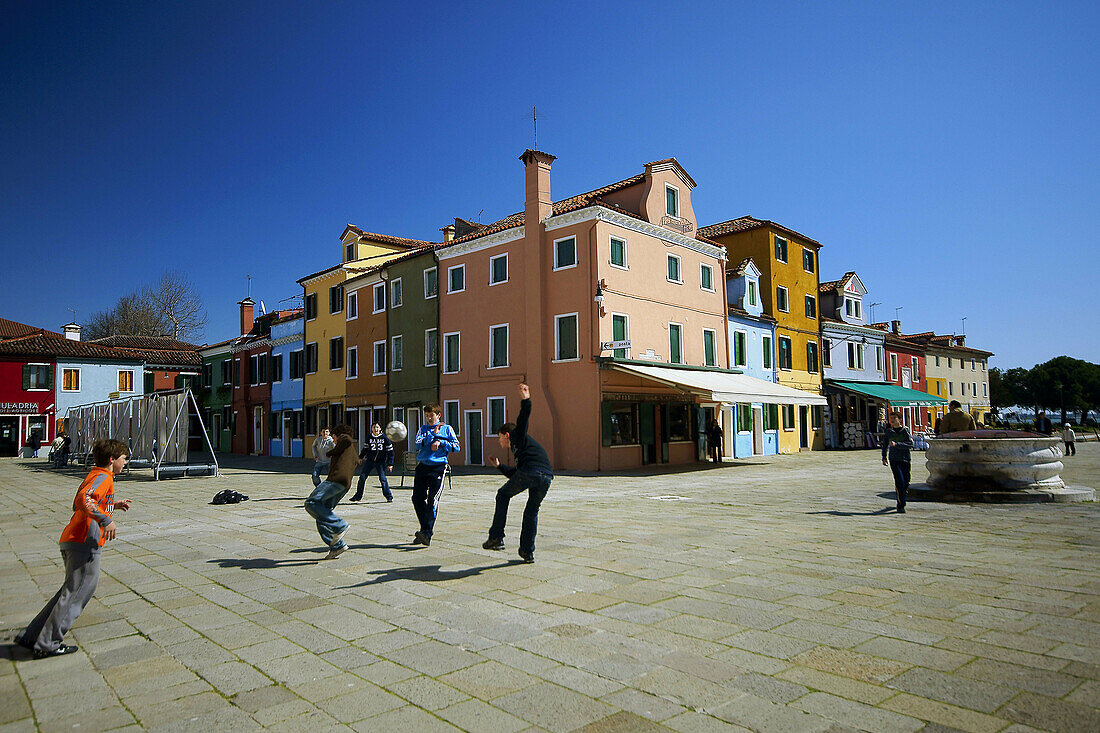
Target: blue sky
949,153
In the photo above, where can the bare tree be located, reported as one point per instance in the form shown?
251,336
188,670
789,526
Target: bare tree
169,307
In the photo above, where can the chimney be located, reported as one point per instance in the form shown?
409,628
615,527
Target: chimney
248,314
960,340
72,331
895,327
448,232
537,206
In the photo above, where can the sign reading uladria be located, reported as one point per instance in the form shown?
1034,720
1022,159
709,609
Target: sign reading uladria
19,408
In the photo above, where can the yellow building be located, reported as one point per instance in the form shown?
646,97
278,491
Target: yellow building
789,279
324,385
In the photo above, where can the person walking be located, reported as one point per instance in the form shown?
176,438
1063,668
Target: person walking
90,527
434,440
322,444
532,473
1069,438
896,446
322,502
714,440
34,442
377,457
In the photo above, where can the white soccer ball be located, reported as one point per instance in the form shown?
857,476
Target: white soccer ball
396,431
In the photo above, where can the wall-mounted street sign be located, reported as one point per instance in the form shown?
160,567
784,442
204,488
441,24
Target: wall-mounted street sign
112,396
608,345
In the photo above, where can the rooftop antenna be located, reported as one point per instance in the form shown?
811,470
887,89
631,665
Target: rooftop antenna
897,315
479,215
73,311
964,325
873,311
535,127
249,295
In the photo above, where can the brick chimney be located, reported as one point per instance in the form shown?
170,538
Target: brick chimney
960,341
248,314
71,331
537,206
895,327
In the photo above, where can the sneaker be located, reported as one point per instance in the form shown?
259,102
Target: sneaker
901,509
527,557
339,536
493,544
419,538
59,651
389,498
336,552
357,497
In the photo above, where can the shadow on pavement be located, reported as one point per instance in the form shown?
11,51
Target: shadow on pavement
427,573
403,547
837,513
259,563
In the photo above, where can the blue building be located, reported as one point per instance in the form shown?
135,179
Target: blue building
751,428
89,372
287,386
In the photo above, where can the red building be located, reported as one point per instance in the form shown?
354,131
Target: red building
252,382
905,368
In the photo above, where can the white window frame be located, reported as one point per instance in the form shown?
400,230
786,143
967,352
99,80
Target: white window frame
352,304
397,293
813,259
786,249
78,378
893,367
374,295
118,383
778,351
507,273
458,414
489,413
714,340
767,346
461,267
752,288
557,335
374,363
916,369
397,349
426,271
880,359
806,300
576,258
786,299
745,351
702,268
458,356
351,358
507,346
610,261
681,354
679,268
676,191
427,351
399,415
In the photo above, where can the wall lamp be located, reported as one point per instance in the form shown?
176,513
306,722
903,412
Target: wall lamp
599,298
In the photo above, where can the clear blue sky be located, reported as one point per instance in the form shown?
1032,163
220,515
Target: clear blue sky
946,152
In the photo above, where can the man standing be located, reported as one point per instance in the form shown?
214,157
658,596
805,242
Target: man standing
1042,424
956,420
322,444
434,441
1070,439
532,473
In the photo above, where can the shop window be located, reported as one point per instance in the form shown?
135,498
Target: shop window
679,422
620,423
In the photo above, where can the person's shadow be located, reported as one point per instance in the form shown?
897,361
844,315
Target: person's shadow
267,563
426,573
838,513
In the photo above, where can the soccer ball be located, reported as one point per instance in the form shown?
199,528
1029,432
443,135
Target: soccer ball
396,431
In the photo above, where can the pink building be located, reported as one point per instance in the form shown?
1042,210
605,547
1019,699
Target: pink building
606,303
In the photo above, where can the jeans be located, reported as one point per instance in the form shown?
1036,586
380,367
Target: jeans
1071,449
320,505
49,627
318,469
901,471
427,486
536,485
369,468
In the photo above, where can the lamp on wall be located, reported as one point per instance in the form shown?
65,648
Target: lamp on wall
599,297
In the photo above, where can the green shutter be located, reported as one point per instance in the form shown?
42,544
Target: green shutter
26,377
605,421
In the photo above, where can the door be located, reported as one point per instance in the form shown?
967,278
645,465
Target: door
216,430
288,432
907,377
757,431
803,427
647,432
258,430
9,437
474,442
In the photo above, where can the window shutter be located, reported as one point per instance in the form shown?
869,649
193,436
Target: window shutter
26,376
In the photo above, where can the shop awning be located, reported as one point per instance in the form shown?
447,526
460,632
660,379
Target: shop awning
723,386
897,396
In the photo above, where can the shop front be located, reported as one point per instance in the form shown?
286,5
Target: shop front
858,411
26,407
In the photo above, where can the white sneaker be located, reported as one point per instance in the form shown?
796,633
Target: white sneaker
336,552
337,537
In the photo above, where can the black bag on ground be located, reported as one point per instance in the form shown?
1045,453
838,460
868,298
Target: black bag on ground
228,496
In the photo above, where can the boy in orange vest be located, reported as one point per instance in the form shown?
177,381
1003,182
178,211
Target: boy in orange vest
81,541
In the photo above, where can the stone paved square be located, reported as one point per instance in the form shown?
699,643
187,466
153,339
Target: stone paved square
777,593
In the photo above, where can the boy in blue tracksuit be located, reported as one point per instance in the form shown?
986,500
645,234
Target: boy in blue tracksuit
377,455
896,444
434,441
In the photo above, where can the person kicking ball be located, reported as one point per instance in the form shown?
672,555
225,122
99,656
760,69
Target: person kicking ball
322,502
532,473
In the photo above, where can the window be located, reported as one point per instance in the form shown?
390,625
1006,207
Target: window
379,298
311,420
938,387
207,375
950,389
311,306
766,350
620,423
674,269
236,372
740,351
353,306
785,358
672,201
498,346
771,417
431,347
744,418
297,364
811,306
498,269
125,380
565,337
879,357
396,298
399,415
451,346
983,364
620,331
70,380
706,278
855,355
811,358
565,253
788,417
450,414
916,369
349,253
973,389
336,299
937,360
807,260
985,389
431,283
826,353
752,292
336,353
781,249
276,367
893,367
456,279
973,365
353,362
227,371
276,423
618,252
949,362
817,416
962,386
781,299
397,353
253,369
379,358
710,348
496,415
675,343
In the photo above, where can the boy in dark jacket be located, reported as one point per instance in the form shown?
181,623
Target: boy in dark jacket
896,444
322,502
532,473
377,456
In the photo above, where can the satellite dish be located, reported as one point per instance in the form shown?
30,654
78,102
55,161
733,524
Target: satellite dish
263,310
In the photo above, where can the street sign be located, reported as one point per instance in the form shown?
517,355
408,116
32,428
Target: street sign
113,396
607,345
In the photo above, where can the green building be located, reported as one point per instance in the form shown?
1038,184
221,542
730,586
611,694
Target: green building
413,332
216,393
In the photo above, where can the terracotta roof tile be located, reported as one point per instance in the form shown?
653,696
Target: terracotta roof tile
387,238
47,344
747,223
12,329
835,284
745,314
740,268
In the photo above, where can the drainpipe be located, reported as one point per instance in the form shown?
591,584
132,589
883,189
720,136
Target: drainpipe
594,322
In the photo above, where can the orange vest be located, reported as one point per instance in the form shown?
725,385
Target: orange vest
94,502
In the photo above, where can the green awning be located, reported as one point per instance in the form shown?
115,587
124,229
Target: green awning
892,393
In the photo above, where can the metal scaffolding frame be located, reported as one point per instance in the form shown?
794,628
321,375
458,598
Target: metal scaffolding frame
150,426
